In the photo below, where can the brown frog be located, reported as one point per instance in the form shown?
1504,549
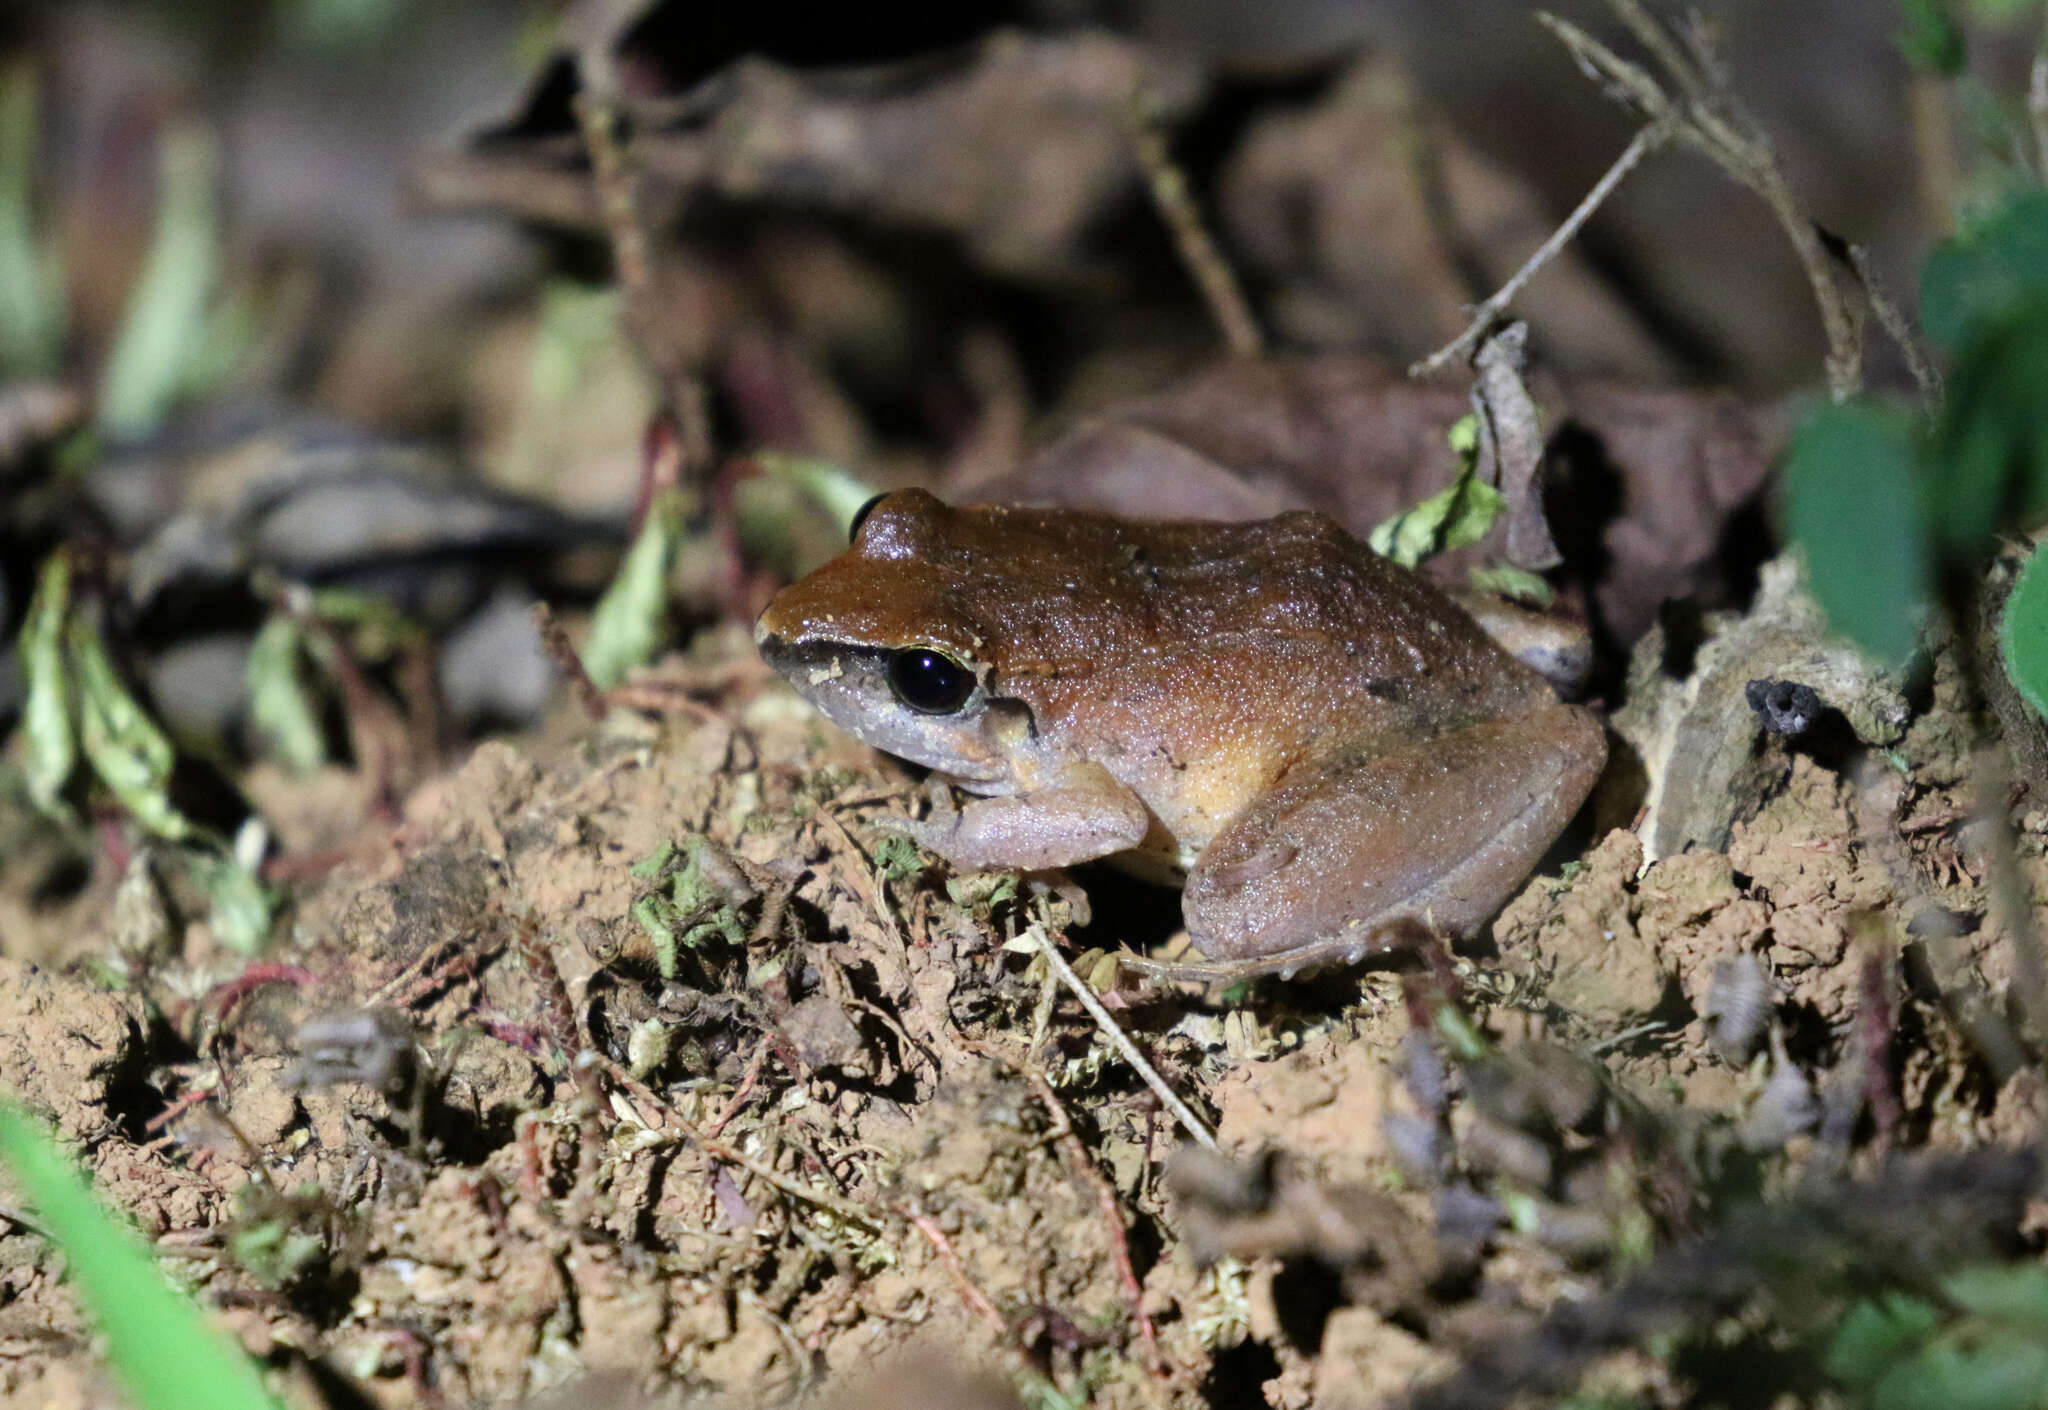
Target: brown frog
1317,739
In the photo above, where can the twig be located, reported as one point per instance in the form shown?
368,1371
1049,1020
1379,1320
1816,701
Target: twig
1211,272
675,1124
973,1296
642,308
1646,140
1190,1123
1893,320
1709,119
563,653
1112,1212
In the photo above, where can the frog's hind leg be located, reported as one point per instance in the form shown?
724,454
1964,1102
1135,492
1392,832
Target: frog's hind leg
1441,831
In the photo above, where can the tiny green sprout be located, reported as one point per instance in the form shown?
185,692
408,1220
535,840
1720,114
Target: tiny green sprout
982,890
655,863
897,857
657,916
629,623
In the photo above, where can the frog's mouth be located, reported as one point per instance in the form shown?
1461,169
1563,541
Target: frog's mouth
849,685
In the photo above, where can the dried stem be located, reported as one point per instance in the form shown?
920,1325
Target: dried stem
1646,141
1708,118
1897,326
1105,1198
1211,272
1190,1123
642,308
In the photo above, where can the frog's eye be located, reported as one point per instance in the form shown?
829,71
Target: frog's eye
929,682
860,515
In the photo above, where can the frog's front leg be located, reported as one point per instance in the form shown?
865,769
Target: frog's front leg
1439,832
1083,814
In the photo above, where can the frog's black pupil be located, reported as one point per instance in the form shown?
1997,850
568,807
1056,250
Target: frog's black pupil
860,515
928,681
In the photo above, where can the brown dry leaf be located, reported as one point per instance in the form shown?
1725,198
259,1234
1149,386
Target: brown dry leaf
1377,226
1017,145
1644,482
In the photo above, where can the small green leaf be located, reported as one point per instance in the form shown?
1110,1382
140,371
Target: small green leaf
1876,1335
2023,634
168,1358
50,744
629,623
1931,39
280,707
122,743
1458,515
1855,507
1982,273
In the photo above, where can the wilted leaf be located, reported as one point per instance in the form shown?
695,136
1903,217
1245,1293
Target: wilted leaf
51,746
121,742
279,706
238,907
1854,505
628,625
1456,516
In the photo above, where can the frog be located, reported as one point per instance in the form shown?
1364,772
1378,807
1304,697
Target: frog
1318,745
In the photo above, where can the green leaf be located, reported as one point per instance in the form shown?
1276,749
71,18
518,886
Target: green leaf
1931,38
33,307
1875,1336
168,1358
51,745
1981,274
1456,516
1854,506
629,623
163,331
1515,584
2015,1294
280,707
1990,447
2023,634
122,743
2001,1374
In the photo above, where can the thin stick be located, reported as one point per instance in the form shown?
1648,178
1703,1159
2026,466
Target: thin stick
1710,120
1646,140
1895,324
973,1296
1182,1113
1105,1198
1211,272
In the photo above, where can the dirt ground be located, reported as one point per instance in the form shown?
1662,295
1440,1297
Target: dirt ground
460,1140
